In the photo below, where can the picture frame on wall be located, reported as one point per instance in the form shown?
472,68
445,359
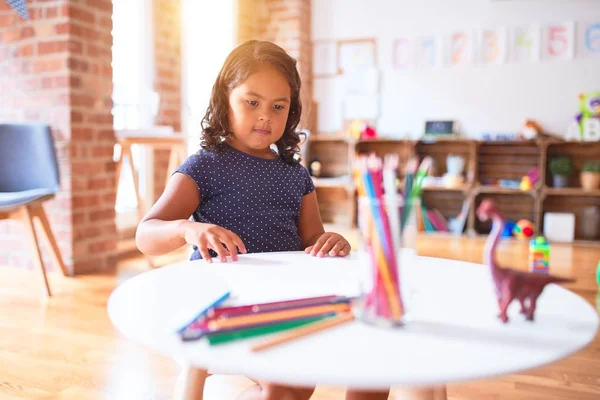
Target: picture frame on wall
325,59
355,54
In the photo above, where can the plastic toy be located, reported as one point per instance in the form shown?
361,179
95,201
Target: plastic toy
509,226
586,125
530,130
523,229
368,133
525,183
539,255
510,284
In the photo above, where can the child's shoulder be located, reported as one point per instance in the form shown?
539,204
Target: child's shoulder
203,156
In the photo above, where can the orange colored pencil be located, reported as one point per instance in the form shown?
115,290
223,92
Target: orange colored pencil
303,331
267,317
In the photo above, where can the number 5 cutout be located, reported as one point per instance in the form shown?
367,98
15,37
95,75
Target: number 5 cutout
559,40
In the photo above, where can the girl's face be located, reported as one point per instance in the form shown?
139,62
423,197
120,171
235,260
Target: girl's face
258,111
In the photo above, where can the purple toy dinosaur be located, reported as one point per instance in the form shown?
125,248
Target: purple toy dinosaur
511,284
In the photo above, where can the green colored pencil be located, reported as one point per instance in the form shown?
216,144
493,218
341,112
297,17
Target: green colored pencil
224,337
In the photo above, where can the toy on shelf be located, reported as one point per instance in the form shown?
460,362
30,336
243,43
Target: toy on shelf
525,183
359,129
534,175
509,227
586,125
523,229
530,130
510,284
455,165
539,255
315,167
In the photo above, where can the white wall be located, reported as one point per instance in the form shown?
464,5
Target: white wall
494,98
208,36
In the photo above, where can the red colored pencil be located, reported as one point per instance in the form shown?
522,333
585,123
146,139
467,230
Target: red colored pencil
225,312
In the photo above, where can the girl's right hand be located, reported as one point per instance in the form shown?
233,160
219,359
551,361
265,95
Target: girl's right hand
209,236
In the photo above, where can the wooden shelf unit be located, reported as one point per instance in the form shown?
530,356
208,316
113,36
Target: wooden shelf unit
484,162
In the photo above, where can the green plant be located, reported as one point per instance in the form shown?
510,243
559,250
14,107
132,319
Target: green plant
561,165
591,166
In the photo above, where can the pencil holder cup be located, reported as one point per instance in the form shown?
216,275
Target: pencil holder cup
382,299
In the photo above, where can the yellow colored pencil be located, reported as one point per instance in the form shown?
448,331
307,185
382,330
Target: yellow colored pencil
267,317
303,331
386,277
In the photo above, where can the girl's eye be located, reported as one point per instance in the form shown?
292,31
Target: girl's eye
278,107
253,103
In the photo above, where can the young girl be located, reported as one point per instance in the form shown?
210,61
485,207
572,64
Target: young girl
243,195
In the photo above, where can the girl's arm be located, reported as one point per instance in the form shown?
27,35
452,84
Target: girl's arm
166,227
314,238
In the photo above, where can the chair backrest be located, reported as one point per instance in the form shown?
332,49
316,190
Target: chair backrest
27,158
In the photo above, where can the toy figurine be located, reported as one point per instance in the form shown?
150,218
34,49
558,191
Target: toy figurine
511,284
314,168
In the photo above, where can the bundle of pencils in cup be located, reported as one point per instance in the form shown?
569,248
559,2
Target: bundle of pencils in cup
298,317
383,216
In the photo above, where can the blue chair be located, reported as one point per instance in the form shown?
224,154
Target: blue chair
29,176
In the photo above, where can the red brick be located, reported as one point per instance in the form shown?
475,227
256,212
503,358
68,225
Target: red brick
76,116
99,183
54,46
103,246
75,47
48,65
80,14
106,152
7,20
63,28
82,100
103,215
105,135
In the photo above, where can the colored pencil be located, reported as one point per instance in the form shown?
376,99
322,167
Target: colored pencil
276,316
226,312
416,188
226,337
384,240
303,331
204,311
200,332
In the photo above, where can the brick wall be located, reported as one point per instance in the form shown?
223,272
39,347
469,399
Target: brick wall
167,59
286,23
56,69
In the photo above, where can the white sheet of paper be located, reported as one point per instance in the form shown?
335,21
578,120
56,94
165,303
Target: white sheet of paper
325,59
361,106
588,39
491,46
559,41
460,48
356,55
525,43
361,80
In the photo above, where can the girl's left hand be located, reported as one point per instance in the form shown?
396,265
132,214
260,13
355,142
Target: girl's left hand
330,243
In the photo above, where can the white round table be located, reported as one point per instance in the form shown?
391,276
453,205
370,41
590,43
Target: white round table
455,335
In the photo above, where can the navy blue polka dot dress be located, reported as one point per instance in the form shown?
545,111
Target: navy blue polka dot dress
258,199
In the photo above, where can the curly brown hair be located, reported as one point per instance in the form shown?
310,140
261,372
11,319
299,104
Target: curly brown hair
242,62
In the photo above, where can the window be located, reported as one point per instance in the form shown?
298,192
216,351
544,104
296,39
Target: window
134,102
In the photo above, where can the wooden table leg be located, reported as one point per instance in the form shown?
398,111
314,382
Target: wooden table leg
118,169
136,184
437,393
190,384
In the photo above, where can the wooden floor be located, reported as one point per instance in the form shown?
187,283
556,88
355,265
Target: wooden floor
66,348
